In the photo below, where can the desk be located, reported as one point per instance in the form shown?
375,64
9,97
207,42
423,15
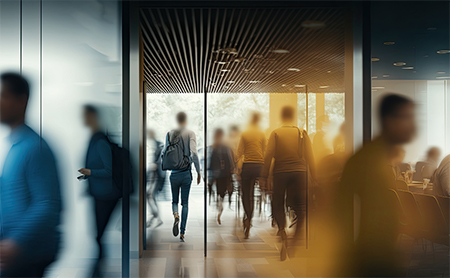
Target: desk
417,187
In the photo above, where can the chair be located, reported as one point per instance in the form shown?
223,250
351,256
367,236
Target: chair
427,171
399,184
444,202
394,199
404,167
435,225
413,215
418,170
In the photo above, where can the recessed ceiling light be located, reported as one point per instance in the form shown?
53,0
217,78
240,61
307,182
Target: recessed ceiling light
254,81
299,86
389,43
399,64
374,77
230,81
377,88
323,87
408,68
313,24
284,85
329,71
270,72
293,69
225,70
441,72
443,77
280,51
443,51
386,75
221,63
375,59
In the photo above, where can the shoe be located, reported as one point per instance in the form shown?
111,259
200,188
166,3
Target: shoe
159,223
182,237
176,221
246,228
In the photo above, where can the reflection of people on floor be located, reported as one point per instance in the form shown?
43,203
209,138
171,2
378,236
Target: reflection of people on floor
222,167
155,179
367,222
251,148
291,148
99,173
30,197
179,152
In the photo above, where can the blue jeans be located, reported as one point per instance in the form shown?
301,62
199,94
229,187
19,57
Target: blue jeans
181,180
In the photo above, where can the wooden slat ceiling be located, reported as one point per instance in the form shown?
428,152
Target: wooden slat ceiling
243,50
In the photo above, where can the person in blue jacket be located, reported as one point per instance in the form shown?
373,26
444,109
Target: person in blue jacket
30,195
99,173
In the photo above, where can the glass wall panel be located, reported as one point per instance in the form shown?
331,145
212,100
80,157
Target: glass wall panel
410,59
81,65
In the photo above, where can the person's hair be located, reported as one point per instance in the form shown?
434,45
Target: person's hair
17,85
287,113
433,150
390,105
234,128
218,132
181,118
91,109
256,118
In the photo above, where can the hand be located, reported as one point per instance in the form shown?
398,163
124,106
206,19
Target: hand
85,171
9,252
199,178
262,182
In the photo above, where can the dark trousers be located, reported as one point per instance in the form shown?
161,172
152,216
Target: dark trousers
290,185
222,186
103,211
250,171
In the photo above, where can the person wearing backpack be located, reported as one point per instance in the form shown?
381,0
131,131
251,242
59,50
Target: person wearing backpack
180,151
221,167
99,174
291,148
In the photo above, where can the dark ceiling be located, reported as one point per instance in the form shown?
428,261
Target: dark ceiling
419,29
234,50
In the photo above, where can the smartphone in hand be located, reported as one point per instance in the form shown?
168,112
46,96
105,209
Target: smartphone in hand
82,177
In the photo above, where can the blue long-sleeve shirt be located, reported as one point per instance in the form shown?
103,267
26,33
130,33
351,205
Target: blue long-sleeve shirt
30,197
99,160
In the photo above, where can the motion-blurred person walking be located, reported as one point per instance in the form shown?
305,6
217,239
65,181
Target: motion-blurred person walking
30,191
156,178
367,220
251,147
99,173
291,148
180,151
222,167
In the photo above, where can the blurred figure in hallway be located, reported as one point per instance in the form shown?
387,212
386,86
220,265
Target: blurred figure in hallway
320,144
30,195
156,178
367,221
397,155
99,173
251,147
222,166
291,148
179,152
433,156
232,142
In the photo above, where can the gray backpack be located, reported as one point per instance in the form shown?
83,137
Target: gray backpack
176,155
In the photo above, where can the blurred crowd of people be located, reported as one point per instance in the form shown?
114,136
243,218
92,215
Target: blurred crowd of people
350,192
